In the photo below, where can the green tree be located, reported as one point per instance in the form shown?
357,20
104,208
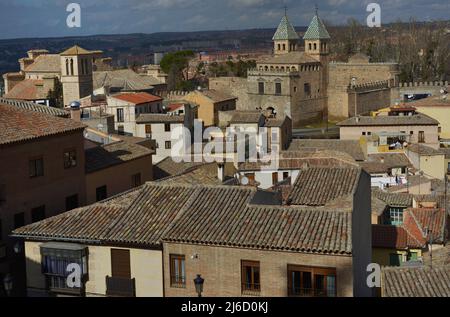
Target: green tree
56,94
176,66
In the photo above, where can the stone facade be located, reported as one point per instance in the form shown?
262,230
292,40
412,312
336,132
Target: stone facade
221,269
76,77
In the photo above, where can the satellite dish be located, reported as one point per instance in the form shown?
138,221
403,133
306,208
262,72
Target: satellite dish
244,180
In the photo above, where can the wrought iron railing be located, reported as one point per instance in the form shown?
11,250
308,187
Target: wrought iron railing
120,287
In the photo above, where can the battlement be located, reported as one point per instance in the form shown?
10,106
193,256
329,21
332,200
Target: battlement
177,94
424,84
277,72
383,84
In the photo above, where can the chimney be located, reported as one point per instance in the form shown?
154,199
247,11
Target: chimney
221,171
75,111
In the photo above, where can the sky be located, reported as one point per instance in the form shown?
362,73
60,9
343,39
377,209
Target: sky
47,18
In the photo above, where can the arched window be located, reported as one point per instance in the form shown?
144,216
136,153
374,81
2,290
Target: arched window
266,68
279,47
282,68
310,46
315,46
86,66
71,67
67,67
83,71
284,47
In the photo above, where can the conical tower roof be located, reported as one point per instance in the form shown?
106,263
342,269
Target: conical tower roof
285,31
316,30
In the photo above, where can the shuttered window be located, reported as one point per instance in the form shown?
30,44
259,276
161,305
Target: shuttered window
120,263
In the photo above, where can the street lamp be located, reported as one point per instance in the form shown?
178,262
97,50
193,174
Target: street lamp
198,281
8,284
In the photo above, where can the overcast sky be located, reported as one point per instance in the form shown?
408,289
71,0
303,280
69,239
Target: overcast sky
47,18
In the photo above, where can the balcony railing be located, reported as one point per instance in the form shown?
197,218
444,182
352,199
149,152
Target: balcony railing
309,292
251,289
177,281
58,285
120,287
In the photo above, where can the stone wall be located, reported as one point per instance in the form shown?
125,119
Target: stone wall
234,86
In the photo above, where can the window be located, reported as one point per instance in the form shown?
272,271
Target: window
279,47
295,88
311,281
250,277
36,167
310,46
261,88
278,88
274,178
71,66
315,46
136,180
70,158
413,256
250,176
177,271
395,216
421,137
284,47
395,259
19,220
285,175
120,117
82,67
307,89
67,67
55,260
148,129
38,214
364,133
411,132
72,202
101,193
168,145
167,127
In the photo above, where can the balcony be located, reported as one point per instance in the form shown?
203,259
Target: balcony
310,292
250,289
58,285
120,287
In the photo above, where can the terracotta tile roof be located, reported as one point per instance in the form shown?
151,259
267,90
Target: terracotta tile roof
47,63
353,148
75,50
159,118
124,79
138,98
155,213
292,160
202,175
416,282
246,117
267,228
417,221
105,156
28,89
391,237
319,186
20,125
391,160
27,105
168,167
378,206
216,96
393,199
424,150
433,101
418,119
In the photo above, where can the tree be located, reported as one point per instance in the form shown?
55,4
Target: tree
176,66
56,94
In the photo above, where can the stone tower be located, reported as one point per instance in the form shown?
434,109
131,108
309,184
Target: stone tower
317,40
76,74
286,38
317,45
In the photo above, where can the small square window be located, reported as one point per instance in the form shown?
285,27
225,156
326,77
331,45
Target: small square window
167,127
70,159
168,145
36,167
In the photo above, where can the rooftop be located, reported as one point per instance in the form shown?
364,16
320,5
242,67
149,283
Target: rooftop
28,89
20,125
75,50
391,237
319,186
393,199
246,117
424,150
295,58
216,96
352,148
285,31
124,79
316,30
138,98
105,156
189,214
418,119
48,63
27,105
416,282
432,101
